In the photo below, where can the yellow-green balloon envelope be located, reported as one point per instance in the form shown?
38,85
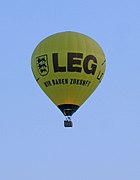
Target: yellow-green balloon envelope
68,66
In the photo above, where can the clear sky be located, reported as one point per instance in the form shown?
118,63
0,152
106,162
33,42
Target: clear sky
104,143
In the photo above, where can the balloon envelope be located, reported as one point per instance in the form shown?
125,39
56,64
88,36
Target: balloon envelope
68,66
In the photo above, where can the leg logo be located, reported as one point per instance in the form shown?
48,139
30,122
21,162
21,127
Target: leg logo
42,64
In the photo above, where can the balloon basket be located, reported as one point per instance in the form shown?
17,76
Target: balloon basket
68,122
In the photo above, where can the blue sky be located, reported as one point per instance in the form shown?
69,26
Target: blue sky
105,140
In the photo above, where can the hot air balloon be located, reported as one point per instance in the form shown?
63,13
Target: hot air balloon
68,66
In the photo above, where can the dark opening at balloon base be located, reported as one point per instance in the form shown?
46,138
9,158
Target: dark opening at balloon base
68,109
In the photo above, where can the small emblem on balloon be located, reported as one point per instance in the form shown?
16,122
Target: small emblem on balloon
42,64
